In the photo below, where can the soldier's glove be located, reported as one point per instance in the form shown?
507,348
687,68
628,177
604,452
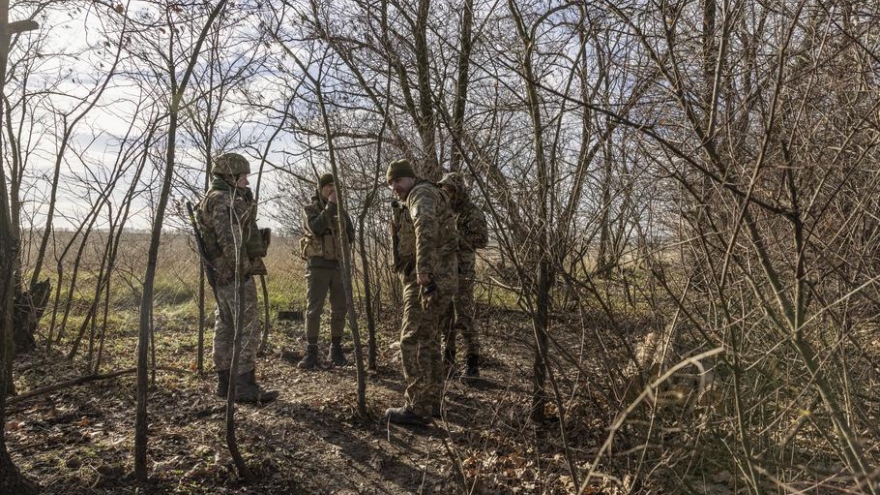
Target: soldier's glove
266,234
428,295
257,267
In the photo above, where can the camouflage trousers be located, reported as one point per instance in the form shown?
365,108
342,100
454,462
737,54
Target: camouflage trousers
420,338
458,319
224,326
322,280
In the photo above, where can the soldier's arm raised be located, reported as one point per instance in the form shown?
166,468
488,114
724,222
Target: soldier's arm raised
318,220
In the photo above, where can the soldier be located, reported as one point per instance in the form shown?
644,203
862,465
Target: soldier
470,222
423,232
235,247
323,251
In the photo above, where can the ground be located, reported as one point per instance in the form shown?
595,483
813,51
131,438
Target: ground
80,439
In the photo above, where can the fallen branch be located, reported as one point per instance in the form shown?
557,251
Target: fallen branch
79,381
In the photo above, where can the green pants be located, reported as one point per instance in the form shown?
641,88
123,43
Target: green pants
322,281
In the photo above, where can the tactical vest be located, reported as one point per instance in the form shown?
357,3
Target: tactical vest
246,213
322,246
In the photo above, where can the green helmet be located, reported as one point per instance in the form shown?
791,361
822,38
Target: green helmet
231,164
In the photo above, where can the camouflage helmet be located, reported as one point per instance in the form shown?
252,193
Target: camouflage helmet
231,164
454,180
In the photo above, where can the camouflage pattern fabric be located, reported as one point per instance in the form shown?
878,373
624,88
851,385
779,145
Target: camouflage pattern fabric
470,223
432,246
224,326
227,218
458,319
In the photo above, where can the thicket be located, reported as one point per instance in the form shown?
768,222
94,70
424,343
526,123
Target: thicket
693,182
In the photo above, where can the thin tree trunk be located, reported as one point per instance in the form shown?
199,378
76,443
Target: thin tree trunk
11,480
461,88
145,324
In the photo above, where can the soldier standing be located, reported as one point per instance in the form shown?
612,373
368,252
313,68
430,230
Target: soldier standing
423,229
235,248
470,222
323,251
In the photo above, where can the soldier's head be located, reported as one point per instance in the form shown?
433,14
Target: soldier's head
453,184
401,178
233,168
327,185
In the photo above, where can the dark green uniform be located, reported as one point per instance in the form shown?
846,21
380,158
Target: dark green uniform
322,250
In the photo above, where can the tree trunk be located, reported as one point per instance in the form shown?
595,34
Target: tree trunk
29,308
11,480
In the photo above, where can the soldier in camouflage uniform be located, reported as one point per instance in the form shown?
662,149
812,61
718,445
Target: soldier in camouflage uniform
423,232
235,247
321,248
470,222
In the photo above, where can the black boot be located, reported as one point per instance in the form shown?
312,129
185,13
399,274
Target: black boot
406,416
336,356
247,391
222,383
310,360
472,368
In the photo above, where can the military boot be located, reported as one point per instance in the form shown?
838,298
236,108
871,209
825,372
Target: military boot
310,360
222,383
336,356
406,416
247,391
472,368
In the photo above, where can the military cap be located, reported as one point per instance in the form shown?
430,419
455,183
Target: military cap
398,169
325,179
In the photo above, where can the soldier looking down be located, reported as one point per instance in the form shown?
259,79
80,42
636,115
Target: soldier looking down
425,260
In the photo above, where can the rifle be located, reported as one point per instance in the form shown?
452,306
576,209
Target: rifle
203,250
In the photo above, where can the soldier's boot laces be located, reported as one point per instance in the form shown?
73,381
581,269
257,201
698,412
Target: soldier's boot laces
222,383
472,368
247,391
336,355
310,360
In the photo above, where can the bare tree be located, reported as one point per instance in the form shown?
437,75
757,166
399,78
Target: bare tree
11,480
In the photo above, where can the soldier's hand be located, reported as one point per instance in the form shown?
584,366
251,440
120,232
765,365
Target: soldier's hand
424,279
332,198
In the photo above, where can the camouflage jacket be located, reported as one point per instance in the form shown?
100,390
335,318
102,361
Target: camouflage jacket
470,222
425,229
320,246
227,218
